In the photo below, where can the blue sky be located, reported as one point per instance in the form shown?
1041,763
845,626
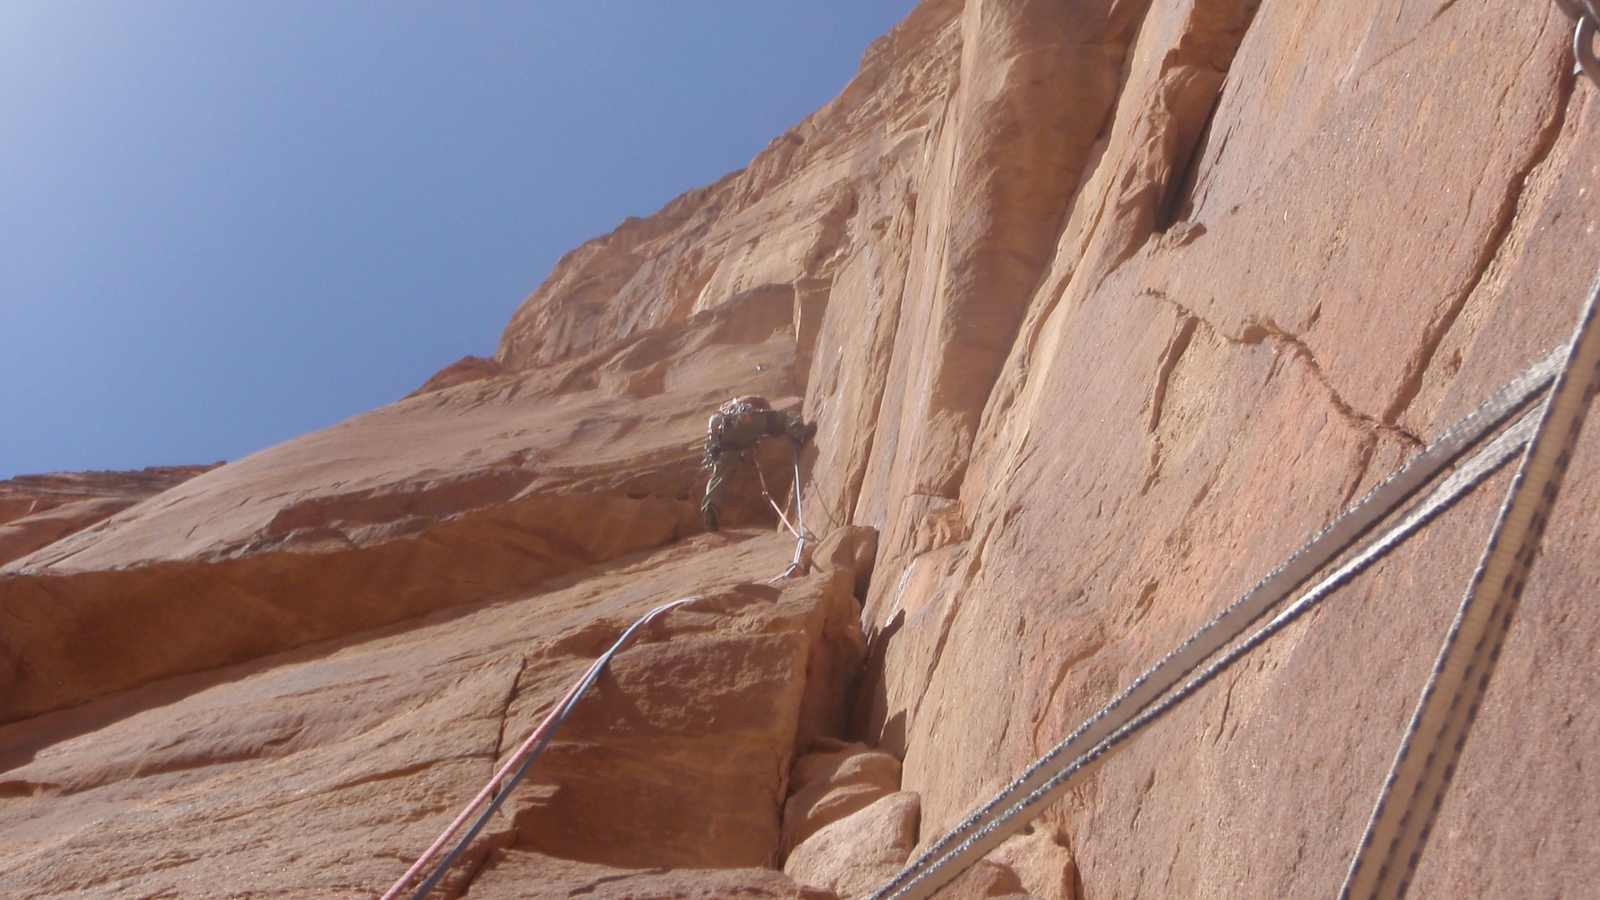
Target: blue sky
223,224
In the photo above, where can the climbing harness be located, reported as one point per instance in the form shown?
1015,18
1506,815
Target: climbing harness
522,759
1426,761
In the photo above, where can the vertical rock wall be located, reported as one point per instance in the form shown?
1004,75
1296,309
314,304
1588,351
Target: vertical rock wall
1101,307
1129,299
1247,322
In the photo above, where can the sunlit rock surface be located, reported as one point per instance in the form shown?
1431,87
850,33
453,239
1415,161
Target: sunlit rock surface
1101,309
38,510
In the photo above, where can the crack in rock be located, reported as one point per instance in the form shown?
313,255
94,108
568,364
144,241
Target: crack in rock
1500,230
1258,330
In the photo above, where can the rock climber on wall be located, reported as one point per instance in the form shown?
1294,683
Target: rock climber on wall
737,426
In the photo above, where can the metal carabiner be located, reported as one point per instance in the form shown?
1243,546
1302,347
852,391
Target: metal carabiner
1587,13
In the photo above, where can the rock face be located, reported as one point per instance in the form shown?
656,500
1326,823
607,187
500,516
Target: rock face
38,510
1101,309
463,370
365,746
855,853
832,782
441,499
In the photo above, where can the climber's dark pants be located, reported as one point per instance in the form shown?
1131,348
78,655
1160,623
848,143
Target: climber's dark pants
720,470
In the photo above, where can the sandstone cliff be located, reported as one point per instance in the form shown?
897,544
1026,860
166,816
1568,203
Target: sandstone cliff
1101,307
38,510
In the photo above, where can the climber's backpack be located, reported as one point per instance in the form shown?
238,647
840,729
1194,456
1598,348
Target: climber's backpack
738,424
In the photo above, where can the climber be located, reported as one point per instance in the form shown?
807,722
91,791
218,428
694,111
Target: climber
737,426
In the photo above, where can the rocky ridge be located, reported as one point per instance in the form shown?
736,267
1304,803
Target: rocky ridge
1101,309
38,510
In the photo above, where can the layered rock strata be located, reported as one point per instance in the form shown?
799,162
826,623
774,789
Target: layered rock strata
442,499
38,510
319,772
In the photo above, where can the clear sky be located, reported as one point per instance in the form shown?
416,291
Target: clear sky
223,224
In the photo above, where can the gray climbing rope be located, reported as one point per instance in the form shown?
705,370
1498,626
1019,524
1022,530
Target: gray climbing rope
801,535
1470,475
1066,757
1423,767
1426,761
765,492
996,820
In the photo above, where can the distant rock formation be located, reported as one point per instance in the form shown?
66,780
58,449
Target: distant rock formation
38,510
463,370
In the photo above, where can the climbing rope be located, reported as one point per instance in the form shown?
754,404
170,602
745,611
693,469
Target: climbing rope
1136,706
801,535
1228,626
499,786
1134,709
773,503
1426,762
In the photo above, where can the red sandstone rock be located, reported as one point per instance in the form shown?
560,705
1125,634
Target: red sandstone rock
986,879
1245,323
435,501
855,548
38,510
855,854
521,874
787,219
464,370
832,782
324,771
1042,863
1101,309
25,534
29,494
